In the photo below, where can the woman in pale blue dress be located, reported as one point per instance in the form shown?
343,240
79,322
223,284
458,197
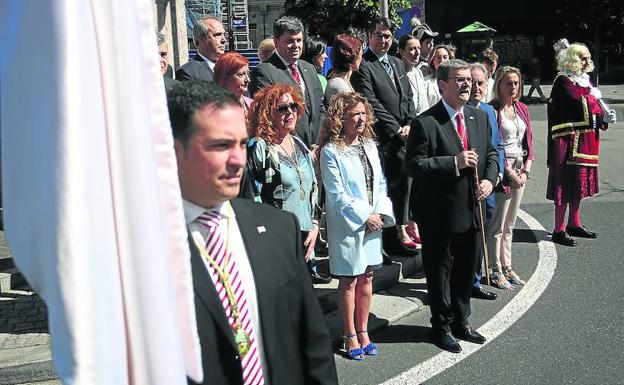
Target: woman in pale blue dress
358,208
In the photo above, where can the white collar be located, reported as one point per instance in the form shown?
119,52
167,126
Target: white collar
581,79
382,56
211,64
287,64
193,211
451,111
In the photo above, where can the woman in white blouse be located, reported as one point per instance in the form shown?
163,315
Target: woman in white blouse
439,54
409,49
514,123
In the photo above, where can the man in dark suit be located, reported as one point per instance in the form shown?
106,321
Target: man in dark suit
284,66
257,316
209,37
163,52
447,143
382,80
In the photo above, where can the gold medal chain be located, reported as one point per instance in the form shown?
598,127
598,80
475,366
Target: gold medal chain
224,277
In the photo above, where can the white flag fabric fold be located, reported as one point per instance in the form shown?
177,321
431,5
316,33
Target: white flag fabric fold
93,212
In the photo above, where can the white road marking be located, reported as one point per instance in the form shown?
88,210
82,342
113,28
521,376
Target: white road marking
525,298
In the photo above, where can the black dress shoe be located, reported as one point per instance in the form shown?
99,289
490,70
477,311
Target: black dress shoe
467,333
562,238
319,278
580,231
481,293
446,341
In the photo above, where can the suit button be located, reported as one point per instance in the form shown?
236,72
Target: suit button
236,357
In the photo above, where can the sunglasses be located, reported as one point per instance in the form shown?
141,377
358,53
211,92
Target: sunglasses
286,108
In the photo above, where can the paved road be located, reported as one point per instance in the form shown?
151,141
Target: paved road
572,334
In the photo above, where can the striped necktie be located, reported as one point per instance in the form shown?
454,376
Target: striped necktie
216,246
387,67
461,130
294,71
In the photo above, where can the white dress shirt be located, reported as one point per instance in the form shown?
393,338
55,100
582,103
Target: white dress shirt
287,64
238,252
490,90
210,63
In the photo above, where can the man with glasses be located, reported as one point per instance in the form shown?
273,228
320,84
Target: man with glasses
209,38
446,146
382,80
477,94
285,66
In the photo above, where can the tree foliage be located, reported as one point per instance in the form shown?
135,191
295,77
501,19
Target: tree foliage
585,18
327,18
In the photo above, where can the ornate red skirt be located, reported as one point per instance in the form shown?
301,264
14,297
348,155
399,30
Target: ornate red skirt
568,183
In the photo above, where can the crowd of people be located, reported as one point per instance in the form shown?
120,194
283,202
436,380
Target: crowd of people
396,152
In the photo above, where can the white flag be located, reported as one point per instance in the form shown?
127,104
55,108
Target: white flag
93,211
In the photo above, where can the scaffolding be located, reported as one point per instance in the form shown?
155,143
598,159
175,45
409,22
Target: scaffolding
198,9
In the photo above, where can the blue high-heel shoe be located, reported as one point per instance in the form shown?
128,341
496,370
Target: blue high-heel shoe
370,349
356,354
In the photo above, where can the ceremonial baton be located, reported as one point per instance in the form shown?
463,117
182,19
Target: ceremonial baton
604,106
481,224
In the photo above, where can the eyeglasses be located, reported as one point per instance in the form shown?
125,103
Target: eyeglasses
380,35
461,80
286,108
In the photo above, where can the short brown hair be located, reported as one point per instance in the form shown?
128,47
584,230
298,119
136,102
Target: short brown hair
489,56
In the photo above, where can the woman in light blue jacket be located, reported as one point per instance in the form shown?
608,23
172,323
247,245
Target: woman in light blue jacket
358,208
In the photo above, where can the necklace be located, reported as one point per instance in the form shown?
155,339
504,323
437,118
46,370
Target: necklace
295,160
514,119
240,335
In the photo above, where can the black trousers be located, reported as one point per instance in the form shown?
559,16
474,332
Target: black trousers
450,261
397,181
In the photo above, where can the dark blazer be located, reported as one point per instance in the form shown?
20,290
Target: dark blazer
393,106
273,71
295,338
444,200
169,83
195,69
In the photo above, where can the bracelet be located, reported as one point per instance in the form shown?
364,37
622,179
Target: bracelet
527,173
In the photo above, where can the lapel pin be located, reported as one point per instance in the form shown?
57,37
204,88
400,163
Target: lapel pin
261,229
471,118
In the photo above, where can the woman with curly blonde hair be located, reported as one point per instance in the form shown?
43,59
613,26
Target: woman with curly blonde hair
280,164
358,208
